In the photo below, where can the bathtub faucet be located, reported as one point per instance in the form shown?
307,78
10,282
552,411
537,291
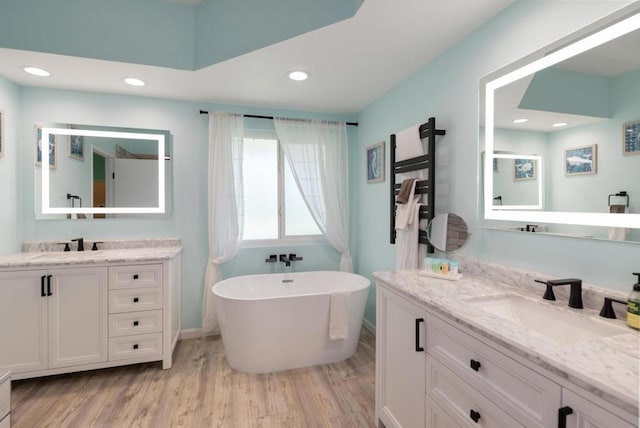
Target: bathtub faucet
287,259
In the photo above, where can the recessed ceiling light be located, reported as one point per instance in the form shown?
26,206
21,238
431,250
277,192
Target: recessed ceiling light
559,124
298,75
37,71
133,81
523,120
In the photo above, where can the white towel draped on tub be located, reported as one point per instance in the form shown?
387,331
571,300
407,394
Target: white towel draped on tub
339,315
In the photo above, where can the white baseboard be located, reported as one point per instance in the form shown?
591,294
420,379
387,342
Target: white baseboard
191,333
367,324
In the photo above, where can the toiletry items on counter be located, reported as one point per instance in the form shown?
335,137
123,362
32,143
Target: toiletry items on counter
440,268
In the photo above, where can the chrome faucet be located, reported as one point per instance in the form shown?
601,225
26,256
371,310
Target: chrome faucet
575,295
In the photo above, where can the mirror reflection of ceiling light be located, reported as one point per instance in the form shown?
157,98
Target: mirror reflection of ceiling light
133,81
298,75
559,124
523,120
37,71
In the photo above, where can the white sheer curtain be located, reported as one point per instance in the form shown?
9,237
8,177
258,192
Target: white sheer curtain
225,203
318,155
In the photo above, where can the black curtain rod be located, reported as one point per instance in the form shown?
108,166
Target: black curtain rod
254,116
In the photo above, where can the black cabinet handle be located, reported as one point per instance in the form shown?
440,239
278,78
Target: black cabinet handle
135,346
49,293
135,276
135,323
474,415
475,365
563,412
42,293
135,300
418,322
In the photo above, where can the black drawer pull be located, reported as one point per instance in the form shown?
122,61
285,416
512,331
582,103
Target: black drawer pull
135,323
135,346
135,276
563,412
42,293
49,293
475,365
474,415
418,322
135,300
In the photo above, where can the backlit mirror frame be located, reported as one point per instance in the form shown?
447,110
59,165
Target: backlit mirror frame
159,138
611,27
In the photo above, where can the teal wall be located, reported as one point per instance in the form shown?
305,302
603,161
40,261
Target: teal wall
448,88
10,220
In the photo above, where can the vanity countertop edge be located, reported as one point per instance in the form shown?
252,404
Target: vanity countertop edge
606,367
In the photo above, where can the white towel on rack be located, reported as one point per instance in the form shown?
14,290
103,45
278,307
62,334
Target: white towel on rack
618,233
408,143
407,246
339,315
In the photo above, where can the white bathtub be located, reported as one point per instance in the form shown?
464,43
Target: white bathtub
269,325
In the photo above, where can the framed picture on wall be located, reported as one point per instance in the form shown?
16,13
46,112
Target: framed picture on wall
76,147
524,169
375,163
631,138
1,133
50,148
580,160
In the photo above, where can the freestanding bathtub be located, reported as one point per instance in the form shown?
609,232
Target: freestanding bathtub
278,322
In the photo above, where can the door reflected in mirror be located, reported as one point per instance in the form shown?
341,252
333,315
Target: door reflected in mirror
104,172
447,232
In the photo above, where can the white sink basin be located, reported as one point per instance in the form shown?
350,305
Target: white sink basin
556,324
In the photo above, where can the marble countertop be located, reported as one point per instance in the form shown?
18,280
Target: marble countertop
4,376
607,367
88,257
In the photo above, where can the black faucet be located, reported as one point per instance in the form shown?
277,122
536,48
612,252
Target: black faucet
285,259
575,295
294,258
607,308
272,259
80,243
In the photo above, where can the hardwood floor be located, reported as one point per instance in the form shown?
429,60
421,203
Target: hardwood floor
201,390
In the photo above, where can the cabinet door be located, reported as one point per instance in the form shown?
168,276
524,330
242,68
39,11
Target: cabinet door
582,413
401,361
78,320
23,321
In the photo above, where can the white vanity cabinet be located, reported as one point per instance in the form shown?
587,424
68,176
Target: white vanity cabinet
52,318
84,317
465,380
400,361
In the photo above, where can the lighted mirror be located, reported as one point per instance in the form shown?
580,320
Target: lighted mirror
447,232
100,172
575,105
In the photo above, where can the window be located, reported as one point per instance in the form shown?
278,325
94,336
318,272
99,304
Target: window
273,206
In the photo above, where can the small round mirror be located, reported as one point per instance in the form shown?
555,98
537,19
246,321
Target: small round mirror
447,232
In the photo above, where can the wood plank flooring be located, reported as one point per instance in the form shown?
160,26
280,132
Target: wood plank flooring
201,390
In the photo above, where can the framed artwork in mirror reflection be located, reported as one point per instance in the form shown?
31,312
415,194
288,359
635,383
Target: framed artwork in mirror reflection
631,138
375,163
76,147
524,169
580,160
50,148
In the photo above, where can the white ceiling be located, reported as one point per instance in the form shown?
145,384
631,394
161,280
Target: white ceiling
352,62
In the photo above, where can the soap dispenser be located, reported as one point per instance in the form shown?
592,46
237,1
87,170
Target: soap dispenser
633,305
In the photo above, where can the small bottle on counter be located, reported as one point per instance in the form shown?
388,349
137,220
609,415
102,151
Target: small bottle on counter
633,305
444,267
453,267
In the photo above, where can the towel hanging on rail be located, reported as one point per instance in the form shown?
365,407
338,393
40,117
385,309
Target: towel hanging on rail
408,143
406,190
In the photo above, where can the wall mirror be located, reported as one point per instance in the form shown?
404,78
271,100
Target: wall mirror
101,172
575,105
447,232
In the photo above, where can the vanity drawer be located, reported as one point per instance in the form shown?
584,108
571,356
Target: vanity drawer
130,323
461,402
135,276
5,399
135,299
142,345
524,394
438,418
